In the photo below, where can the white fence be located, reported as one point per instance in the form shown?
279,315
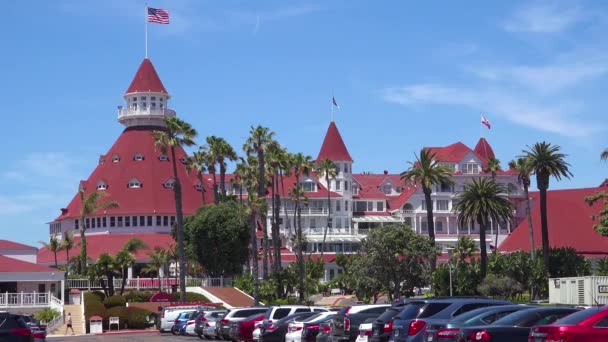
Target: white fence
149,283
30,300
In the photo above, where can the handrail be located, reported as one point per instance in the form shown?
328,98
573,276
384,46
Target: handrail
150,283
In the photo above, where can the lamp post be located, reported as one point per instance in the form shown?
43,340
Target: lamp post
450,252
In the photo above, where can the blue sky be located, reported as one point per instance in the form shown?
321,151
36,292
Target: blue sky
406,75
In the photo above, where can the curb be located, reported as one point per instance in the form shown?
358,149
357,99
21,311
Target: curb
128,332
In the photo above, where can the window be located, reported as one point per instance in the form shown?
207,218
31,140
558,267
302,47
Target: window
172,220
439,226
142,221
442,205
149,221
338,185
101,185
603,323
345,205
119,221
165,221
93,222
370,206
360,206
338,205
184,160
331,274
127,221
199,186
163,157
88,223
280,313
345,167
115,158
138,157
160,99
355,189
104,222
143,105
134,183
313,223
345,185
158,220
76,224
387,188
423,206
470,168
424,226
380,206
308,186
169,183
134,221
445,187
450,166
338,223
112,221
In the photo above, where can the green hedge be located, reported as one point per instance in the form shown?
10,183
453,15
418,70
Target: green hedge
191,297
138,296
115,300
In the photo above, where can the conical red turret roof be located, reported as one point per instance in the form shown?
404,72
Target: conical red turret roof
333,147
146,80
484,150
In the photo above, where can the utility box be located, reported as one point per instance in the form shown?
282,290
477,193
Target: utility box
75,296
590,290
96,325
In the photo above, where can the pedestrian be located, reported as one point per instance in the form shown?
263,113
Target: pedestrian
69,324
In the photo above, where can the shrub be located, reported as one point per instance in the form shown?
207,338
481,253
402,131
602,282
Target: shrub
497,286
138,318
46,314
115,300
190,297
97,294
138,296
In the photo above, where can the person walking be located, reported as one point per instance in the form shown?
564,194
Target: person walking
69,324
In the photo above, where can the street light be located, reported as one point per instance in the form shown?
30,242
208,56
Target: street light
450,251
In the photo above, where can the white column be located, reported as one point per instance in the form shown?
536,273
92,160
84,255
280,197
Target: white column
447,218
130,272
63,291
161,272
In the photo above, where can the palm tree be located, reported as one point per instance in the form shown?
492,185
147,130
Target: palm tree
427,171
178,133
276,155
221,150
483,201
67,243
248,168
492,166
328,168
54,246
546,161
258,142
198,163
106,266
126,258
465,247
297,196
90,204
158,259
523,166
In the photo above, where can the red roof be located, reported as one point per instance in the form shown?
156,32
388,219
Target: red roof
151,172
6,244
291,257
146,80
570,223
333,147
14,265
451,153
109,243
371,188
483,150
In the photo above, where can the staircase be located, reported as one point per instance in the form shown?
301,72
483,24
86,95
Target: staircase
77,321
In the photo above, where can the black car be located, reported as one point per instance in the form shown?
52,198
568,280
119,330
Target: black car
514,327
324,334
14,329
275,331
450,332
345,325
382,327
312,326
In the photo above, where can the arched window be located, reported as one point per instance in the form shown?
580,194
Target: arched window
408,207
134,183
163,157
115,158
138,157
169,183
101,185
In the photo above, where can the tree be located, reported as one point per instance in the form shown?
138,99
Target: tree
220,150
602,226
523,166
483,201
90,204
67,243
492,167
546,161
54,246
217,237
465,247
105,266
427,172
125,258
177,134
258,142
198,163
328,169
158,259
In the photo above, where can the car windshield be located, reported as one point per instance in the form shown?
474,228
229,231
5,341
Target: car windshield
577,317
389,314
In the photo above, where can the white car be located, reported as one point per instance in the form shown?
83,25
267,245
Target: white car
210,329
365,331
297,327
169,314
190,325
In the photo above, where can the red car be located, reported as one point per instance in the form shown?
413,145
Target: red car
589,325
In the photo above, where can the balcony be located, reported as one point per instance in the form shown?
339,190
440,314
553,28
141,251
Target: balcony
330,231
144,113
303,212
29,300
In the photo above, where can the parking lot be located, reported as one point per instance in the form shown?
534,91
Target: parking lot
151,337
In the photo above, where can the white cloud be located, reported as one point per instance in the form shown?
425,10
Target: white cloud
556,118
549,17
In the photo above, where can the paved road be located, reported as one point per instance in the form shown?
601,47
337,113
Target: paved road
152,337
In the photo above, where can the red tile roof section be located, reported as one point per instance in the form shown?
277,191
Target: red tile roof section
333,147
13,265
6,244
152,197
370,188
451,153
570,223
109,243
146,80
484,150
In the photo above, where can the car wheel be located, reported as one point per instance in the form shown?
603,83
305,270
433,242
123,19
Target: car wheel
208,337
174,331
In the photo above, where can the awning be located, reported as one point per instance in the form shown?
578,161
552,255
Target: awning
376,219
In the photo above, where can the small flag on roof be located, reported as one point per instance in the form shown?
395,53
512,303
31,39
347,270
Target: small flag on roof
157,15
333,99
485,122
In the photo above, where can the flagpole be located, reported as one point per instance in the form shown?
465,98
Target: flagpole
146,26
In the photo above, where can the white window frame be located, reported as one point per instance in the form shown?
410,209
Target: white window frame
134,183
470,168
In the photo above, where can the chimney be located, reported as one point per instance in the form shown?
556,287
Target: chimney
386,172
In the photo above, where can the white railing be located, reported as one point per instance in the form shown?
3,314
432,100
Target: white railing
330,231
149,283
303,212
30,299
54,323
131,112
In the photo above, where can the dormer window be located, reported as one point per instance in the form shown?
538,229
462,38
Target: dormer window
308,186
101,185
184,160
199,186
138,157
470,168
169,183
134,183
387,188
163,157
115,158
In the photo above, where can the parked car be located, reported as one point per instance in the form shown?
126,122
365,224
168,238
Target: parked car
432,315
450,332
590,325
181,321
516,326
325,332
14,329
242,331
38,330
382,327
345,325
365,331
237,315
275,331
169,314
306,329
206,322
277,312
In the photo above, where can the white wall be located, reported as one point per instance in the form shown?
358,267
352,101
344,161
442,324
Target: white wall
29,255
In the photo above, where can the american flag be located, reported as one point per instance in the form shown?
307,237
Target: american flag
157,15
